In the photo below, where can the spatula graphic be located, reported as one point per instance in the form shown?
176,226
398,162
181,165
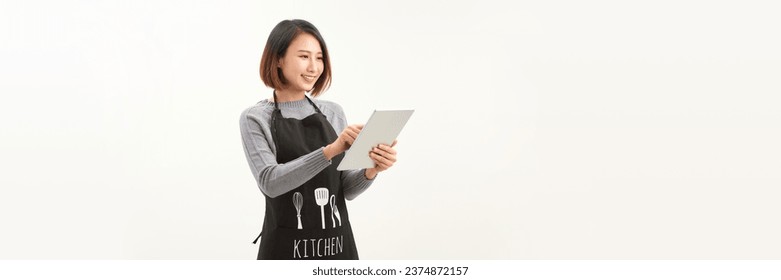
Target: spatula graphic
321,198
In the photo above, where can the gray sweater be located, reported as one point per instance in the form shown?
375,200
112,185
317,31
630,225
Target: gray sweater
275,179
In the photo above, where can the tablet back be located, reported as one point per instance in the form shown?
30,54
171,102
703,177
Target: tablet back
382,128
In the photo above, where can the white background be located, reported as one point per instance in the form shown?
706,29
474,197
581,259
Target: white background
543,130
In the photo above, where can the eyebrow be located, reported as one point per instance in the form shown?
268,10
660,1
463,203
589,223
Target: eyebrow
309,51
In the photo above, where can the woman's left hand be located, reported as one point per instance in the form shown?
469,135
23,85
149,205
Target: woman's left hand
384,157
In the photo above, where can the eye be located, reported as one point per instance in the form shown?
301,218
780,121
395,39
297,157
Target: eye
304,56
320,58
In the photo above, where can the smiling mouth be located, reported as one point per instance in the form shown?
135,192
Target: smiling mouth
309,78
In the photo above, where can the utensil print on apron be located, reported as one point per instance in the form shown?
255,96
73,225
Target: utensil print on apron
321,197
298,201
335,211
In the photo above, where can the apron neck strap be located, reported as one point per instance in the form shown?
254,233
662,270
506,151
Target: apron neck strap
276,106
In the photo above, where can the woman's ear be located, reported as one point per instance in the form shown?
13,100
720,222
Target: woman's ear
279,63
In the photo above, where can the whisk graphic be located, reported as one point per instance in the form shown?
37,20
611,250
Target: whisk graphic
298,201
321,197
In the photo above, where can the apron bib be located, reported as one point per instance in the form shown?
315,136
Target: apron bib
311,221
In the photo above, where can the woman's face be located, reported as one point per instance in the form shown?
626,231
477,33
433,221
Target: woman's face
302,64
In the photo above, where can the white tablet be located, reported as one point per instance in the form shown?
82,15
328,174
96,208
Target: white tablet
382,128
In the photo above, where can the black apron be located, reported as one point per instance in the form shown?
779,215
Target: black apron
311,221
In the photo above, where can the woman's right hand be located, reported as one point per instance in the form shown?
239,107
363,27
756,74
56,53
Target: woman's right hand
343,141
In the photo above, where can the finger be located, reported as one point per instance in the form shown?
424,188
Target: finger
387,149
379,162
391,159
351,133
383,167
390,156
356,127
382,160
347,138
377,159
394,142
379,151
373,156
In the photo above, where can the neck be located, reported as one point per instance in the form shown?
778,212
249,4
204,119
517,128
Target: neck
287,96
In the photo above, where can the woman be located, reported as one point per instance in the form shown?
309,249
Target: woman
293,150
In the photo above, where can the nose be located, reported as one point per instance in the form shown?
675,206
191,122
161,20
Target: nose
312,66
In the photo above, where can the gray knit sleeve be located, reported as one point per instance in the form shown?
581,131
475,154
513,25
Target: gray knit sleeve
275,179
355,183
